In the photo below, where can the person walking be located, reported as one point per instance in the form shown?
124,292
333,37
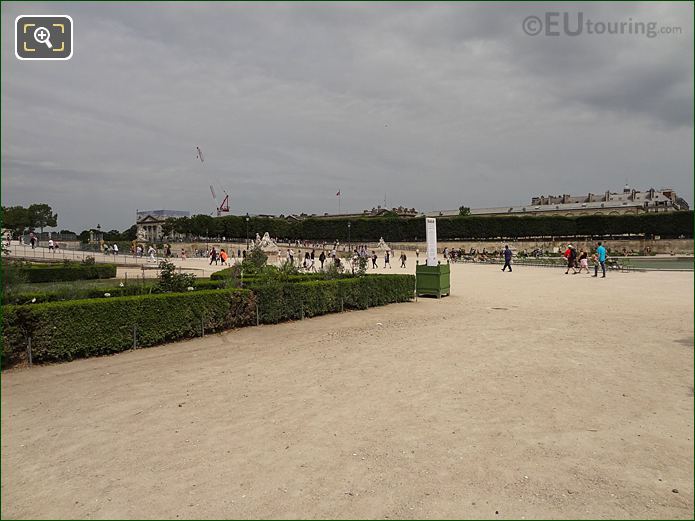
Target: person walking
417,253
224,257
403,259
571,256
312,256
507,259
583,261
115,249
151,252
322,259
374,257
387,259
50,244
32,240
183,253
601,254
213,256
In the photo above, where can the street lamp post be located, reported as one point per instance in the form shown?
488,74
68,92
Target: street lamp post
247,232
349,241
98,248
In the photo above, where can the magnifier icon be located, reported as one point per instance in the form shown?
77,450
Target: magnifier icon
43,35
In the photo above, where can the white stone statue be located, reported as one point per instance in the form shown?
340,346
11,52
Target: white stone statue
141,235
266,244
382,245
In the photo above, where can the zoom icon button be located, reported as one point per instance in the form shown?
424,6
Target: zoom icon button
46,37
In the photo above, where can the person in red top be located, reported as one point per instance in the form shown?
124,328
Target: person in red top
571,256
223,257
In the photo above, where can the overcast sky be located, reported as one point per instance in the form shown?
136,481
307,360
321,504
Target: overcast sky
432,106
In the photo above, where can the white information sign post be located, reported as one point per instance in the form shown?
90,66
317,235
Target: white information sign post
431,231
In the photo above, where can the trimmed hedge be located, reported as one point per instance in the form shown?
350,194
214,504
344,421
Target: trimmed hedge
131,289
67,272
301,277
667,225
81,328
278,302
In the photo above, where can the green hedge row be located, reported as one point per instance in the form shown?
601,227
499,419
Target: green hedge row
278,302
667,225
67,272
81,328
301,277
131,289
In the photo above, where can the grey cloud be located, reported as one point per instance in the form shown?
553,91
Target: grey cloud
435,104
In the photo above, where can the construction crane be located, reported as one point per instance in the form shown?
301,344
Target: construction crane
224,206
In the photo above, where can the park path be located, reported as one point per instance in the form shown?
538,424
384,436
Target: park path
531,394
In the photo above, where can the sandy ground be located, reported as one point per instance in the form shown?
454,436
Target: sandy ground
524,395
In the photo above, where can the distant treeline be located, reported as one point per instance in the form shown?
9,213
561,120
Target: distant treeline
665,225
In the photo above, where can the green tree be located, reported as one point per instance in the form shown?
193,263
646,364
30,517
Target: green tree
84,236
112,235
202,225
168,227
41,215
130,234
15,218
464,210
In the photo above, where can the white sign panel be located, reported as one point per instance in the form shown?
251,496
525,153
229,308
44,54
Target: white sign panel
431,231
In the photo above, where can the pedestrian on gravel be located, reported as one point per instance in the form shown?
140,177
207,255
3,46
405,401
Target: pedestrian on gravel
507,259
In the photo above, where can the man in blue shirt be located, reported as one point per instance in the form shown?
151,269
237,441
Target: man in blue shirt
507,258
602,254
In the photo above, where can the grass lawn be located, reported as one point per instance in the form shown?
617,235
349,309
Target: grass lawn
50,287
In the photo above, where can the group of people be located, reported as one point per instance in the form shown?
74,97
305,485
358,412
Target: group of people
222,256
109,249
308,260
574,259
459,254
582,259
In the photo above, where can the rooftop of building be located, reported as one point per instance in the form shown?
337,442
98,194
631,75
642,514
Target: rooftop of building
141,214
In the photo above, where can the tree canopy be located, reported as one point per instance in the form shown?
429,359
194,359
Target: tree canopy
20,219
